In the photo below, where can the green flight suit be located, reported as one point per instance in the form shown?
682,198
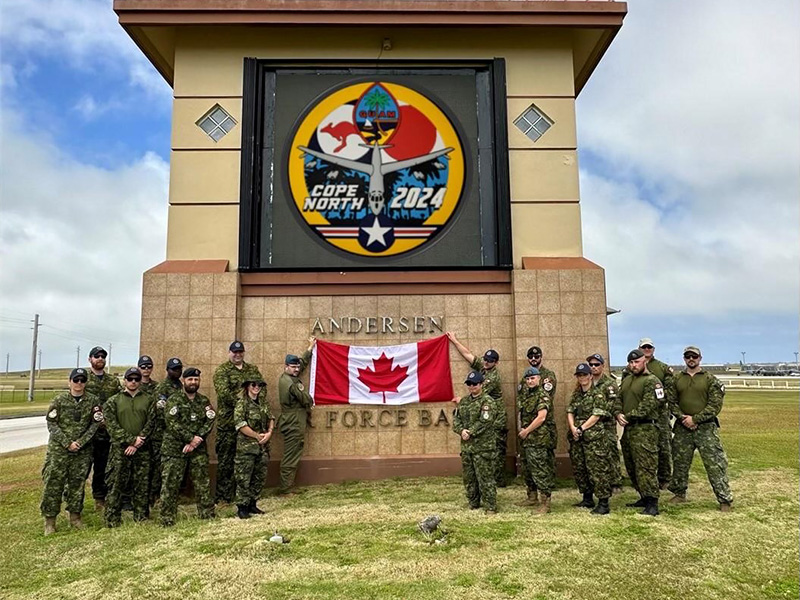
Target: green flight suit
639,401
590,453
102,387
701,396
128,417
64,474
479,453
492,386
296,405
162,392
228,380
250,465
186,418
538,449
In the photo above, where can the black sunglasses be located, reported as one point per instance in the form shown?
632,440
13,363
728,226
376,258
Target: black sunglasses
595,364
101,355
145,366
647,347
258,385
133,379
79,380
691,355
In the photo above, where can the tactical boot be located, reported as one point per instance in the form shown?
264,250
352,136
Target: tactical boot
725,507
640,503
678,499
531,500
75,520
242,512
651,507
602,507
254,510
49,525
544,506
587,502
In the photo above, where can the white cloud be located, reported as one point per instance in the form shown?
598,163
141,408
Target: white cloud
694,117
74,242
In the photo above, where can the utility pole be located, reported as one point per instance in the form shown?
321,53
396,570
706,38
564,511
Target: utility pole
77,357
33,356
795,361
39,370
744,362
108,362
8,359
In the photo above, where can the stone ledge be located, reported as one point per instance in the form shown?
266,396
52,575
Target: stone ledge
191,266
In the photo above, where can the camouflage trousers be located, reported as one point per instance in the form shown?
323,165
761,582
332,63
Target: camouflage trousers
127,475
540,466
250,471
664,447
100,449
172,476
293,443
706,440
226,453
478,473
591,465
640,453
502,444
64,475
154,489
613,453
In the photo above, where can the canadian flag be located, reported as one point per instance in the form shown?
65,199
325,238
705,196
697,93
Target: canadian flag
419,372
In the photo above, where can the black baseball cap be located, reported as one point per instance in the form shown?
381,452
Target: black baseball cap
79,372
491,356
635,354
534,351
132,371
236,347
598,357
145,361
174,364
583,369
191,372
97,351
474,377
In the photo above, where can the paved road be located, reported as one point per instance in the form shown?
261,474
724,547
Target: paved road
18,434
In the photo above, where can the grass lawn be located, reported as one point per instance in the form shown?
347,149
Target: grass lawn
359,540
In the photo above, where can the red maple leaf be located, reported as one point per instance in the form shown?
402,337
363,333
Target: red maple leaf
382,377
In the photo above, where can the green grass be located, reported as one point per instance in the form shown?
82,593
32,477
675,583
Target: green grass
359,540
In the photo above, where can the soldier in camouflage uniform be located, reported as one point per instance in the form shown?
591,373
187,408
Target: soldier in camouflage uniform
149,385
696,409
189,418
548,382
538,438
296,404
608,384
129,419
589,451
163,391
637,409
492,387
72,420
665,375
253,420
474,420
102,385
228,380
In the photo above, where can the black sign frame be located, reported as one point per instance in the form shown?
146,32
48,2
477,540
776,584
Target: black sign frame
258,153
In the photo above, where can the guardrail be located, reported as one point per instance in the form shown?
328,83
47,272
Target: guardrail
761,383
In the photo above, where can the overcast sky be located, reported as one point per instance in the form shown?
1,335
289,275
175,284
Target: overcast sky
690,178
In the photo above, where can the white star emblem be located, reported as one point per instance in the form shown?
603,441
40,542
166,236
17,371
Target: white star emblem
376,232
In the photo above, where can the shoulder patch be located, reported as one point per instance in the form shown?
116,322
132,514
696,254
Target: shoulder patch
659,392
98,415
300,386
53,414
670,370
210,414
548,386
612,391
162,402
722,387
173,411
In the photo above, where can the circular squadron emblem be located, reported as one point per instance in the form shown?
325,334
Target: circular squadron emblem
376,169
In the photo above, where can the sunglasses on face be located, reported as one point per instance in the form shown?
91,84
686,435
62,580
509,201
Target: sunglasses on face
258,385
595,365
133,379
79,380
647,347
472,384
145,366
689,355
103,356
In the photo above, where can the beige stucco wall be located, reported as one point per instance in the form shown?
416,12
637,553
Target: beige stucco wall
204,184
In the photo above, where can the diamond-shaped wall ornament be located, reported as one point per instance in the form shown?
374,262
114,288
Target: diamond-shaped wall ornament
533,123
216,123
